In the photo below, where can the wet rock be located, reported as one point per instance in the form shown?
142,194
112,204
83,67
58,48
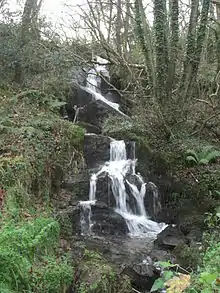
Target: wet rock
170,237
96,150
107,222
142,275
152,200
82,103
161,255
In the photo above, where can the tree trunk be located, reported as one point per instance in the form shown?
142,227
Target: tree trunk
145,41
201,36
174,28
29,19
161,48
191,40
118,28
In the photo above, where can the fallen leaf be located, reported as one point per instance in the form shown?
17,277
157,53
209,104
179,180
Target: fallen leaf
178,283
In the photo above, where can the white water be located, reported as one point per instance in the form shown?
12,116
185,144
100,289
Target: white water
93,83
85,217
130,205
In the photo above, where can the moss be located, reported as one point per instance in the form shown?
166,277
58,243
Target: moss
34,144
66,225
99,276
188,257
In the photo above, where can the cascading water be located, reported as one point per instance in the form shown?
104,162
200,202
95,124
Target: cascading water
133,212
85,217
93,83
129,198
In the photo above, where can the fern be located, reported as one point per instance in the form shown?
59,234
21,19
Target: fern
203,157
28,245
191,158
212,155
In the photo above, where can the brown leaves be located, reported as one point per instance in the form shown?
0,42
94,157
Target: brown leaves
178,283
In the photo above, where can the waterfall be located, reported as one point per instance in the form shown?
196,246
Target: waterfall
129,194
134,213
93,83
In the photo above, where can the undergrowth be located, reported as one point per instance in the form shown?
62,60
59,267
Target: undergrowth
206,278
36,147
28,257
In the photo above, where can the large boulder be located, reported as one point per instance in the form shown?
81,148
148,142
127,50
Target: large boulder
170,237
142,275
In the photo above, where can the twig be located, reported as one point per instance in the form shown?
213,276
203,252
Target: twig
204,123
136,290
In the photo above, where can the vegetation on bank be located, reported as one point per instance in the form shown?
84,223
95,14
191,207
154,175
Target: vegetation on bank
36,146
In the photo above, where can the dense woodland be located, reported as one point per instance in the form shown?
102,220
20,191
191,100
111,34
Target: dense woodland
165,62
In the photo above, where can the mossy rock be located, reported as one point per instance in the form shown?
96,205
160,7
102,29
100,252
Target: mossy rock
99,276
188,257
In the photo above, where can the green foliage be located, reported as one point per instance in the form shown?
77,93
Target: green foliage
46,63
27,257
159,283
53,277
206,281
34,144
166,275
127,128
204,156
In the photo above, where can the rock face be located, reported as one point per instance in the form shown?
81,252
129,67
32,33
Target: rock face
170,237
96,150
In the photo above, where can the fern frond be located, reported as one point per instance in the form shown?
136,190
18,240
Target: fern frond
192,153
205,151
192,159
213,155
203,161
